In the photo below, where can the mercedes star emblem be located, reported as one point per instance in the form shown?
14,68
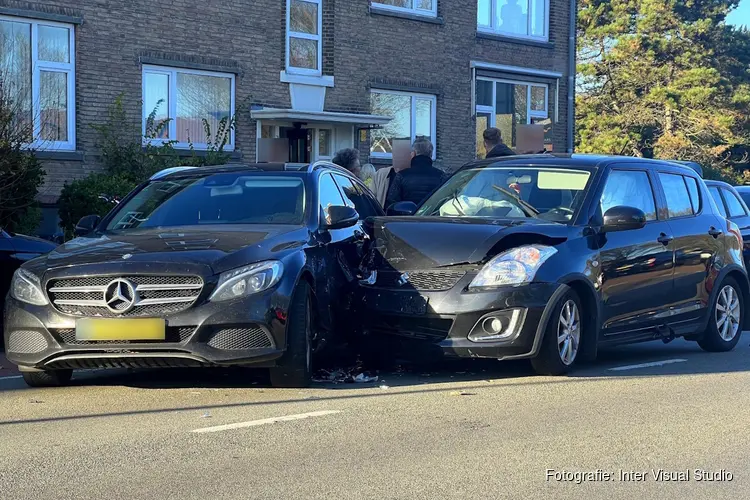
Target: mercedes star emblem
120,296
404,279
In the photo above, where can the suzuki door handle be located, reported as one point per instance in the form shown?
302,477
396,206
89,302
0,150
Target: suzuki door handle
664,239
715,232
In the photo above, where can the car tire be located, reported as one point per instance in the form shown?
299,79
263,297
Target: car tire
554,358
47,378
724,326
294,369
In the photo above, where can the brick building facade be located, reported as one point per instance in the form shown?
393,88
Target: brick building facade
324,74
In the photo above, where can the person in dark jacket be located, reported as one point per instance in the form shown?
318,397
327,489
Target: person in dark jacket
417,181
493,144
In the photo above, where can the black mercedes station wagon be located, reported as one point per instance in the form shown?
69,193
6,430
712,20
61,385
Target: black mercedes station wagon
238,265
549,257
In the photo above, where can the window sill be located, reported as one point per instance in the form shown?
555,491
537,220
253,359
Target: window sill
59,155
513,39
320,81
412,16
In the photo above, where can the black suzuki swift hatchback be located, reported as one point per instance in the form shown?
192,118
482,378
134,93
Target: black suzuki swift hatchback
550,256
245,265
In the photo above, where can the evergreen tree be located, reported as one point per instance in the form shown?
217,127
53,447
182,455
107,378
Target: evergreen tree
664,79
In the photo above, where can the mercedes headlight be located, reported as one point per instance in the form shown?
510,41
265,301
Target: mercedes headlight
27,288
247,280
513,267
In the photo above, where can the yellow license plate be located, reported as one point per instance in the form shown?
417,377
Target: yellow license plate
93,329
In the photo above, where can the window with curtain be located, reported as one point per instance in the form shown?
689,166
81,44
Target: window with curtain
517,18
37,76
412,116
179,103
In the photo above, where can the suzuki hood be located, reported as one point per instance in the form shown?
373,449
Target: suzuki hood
218,247
413,243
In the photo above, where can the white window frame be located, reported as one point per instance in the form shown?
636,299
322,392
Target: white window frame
37,67
530,114
494,29
172,111
332,137
411,10
413,122
295,34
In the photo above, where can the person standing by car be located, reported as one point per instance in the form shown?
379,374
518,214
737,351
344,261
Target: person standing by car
384,177
494,145
349,159
419,180
366,175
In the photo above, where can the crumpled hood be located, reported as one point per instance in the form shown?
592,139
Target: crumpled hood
412,243
216,247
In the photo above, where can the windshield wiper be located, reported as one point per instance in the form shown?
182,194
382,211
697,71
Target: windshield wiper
520,201
457,202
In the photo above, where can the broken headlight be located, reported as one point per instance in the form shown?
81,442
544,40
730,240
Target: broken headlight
513,267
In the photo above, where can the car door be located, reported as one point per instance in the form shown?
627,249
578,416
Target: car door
694,248
636,265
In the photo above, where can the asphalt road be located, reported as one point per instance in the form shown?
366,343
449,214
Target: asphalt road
460,430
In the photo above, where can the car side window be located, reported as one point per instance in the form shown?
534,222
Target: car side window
630,188
329,194
377,210
676,192
354,197
695,198
719,202
733,204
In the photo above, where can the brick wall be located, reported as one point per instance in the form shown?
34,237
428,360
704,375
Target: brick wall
362,50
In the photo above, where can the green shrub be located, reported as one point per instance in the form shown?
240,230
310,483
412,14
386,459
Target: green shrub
127,161
21,173
83,197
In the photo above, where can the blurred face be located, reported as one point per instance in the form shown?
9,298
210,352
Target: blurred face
402,155
356,167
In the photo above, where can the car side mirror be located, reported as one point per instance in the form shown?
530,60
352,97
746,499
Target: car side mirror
622,218
339,217
402,208
87,224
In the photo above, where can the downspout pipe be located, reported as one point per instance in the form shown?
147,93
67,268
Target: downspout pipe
572,74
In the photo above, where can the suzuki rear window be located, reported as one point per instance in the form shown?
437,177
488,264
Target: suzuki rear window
218,199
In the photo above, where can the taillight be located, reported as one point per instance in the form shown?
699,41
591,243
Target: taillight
735,230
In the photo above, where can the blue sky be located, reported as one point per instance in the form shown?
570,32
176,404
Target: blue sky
740,15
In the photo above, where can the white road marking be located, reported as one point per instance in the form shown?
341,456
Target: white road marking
273,420
647,365
11,377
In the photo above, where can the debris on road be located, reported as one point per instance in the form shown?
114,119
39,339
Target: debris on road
35,401
384,387
206,415
352,375
463,393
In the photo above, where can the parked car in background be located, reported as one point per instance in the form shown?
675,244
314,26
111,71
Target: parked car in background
581,252
15,249
235,265
731,205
